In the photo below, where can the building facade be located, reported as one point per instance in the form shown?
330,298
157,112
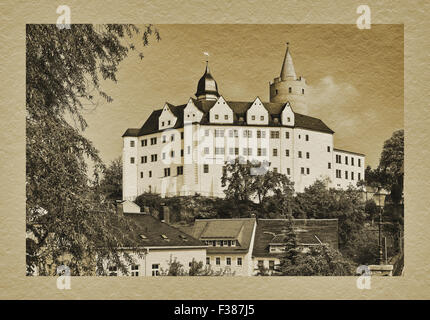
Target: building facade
182,150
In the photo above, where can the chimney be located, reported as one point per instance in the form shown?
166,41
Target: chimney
119,208
166,214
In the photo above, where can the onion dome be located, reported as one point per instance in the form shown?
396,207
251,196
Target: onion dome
207,88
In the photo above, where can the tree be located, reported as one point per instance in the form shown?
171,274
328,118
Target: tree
238,180
111,183
64,214
391,164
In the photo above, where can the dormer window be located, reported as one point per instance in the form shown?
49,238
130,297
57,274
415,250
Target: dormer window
262,118
168,123
216,117
162,123
289,119
253,117
226,117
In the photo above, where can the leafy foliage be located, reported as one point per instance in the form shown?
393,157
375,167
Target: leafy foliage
66,218
111,183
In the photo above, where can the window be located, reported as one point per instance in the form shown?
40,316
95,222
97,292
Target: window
359,162
172,137
206,150
164,155
274,134
308,171
275,170
338,159
287,153
275,152
228,261
162,123
303,91
164,139
352,175
216,117
329,165
172,154
247,151
252,117
260,263
219,150
346,174
307,155
302,170
144,142
261,152
188,149
239,261
144,159
261,134
167,172
141,174
113,271
205,168
288,171
338,174
287,135
261,118
300,154
182,152
182,135
290,90
234,151
226,117
208,260
218,261
307,137
180,170
135,270
346,160
359,176
207,133
153,141
168,123
276,91
132,160
271,265
219,133
155,270
153,157
328,148
132,143
150,174
247,133
288,120
300,136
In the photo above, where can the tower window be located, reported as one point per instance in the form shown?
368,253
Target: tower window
226,117
329,165
290,90
303,91
276,91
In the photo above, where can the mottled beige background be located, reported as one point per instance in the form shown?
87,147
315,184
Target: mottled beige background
415,17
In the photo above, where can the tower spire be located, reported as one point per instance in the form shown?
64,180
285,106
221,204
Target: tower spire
287,70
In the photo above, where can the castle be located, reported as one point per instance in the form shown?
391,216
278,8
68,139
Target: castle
182,150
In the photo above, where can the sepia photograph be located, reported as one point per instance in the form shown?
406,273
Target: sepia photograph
227,150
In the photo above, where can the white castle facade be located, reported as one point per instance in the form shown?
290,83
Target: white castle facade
182,150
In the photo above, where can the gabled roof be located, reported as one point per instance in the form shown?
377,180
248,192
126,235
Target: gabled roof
239,110
225,229
270,231
148,231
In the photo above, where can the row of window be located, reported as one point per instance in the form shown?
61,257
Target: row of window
271,264
347,175
222,243
228,261
339,160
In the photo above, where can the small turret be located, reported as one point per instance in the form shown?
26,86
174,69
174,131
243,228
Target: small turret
207,88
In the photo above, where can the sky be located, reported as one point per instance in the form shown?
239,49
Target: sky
354,78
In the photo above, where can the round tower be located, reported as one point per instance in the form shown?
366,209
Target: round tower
289,87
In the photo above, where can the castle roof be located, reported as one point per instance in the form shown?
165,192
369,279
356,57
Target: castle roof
239,111
287,70
270,231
